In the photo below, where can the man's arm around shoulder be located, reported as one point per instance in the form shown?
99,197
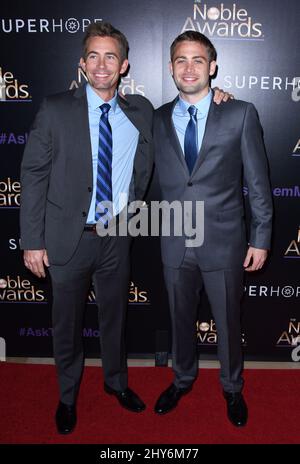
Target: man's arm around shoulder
260,198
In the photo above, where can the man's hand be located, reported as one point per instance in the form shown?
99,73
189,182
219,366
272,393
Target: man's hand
220,95
258,258
35,260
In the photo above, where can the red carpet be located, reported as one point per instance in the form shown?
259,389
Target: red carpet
29,395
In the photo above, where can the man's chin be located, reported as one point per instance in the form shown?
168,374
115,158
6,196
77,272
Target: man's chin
102,85
189,90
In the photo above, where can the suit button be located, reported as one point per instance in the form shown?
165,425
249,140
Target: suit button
83,213
90,189
190,184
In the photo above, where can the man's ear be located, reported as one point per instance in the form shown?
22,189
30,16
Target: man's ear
171,68
212,68
82,64
124,67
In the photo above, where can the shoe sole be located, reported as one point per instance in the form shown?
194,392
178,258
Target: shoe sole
165,412
65,433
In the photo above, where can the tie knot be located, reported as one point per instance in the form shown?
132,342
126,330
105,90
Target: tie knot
192,110
105,108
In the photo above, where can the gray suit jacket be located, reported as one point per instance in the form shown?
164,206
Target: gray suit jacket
232,146
56,171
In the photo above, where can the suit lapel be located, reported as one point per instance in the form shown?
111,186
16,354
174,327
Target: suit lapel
143,159
172,135
82,132
135,115
211,127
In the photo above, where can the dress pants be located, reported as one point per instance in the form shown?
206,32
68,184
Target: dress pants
105,261
224,289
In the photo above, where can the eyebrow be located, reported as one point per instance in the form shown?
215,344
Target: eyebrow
193,57
106,53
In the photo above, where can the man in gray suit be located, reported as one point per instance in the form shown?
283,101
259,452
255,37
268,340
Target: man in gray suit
86,146
201,152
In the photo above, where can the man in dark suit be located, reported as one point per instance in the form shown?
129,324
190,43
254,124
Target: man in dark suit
201,152
86,146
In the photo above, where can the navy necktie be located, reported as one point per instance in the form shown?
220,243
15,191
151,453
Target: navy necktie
104,168
190,139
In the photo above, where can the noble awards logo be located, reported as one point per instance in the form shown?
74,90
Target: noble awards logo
2,349
136,296
11,90
10,193
18,290
293,250
296,150
223,22
207,333
127,84
291,337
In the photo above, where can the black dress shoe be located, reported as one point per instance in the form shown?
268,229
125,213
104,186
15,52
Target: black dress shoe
237,411
127,398
168,400
65,418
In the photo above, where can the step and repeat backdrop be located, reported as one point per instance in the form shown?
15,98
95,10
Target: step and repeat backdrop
258,61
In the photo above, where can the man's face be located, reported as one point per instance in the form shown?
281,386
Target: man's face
103,65
191,69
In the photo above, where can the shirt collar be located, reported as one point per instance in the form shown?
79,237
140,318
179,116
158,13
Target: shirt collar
202,105
94,101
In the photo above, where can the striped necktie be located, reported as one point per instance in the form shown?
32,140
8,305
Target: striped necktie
104,167
190,139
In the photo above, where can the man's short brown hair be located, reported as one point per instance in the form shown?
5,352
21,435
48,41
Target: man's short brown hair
100,29
194,36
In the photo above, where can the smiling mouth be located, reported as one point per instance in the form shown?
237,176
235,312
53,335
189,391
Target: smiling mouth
189,79
101,75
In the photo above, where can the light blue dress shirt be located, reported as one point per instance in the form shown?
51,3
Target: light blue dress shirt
125,139
181,118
